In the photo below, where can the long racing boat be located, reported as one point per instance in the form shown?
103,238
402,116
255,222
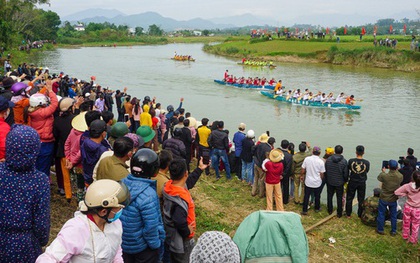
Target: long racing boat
244,86
310,103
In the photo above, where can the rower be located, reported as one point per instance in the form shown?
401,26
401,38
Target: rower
226,74
278,86
340,98
350,100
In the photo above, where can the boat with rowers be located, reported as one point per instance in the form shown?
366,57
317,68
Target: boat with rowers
253,63
298,101
244,85
183,58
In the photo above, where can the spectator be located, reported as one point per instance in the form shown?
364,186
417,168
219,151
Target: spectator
5,110
274,173
298,159
411,218
246,158
287,162
370,208
215,246
260,153
238,138
203,133
358,170
95,231
142,222
412,159
25,198
337,175
312,172
175,145
179,210
390,182
219,142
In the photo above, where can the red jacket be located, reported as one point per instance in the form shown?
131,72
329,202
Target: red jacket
42,119
4,130
274,172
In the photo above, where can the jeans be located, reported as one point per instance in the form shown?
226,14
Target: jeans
248,171
44,158
331,190
218,154
381,215
352,187
308,192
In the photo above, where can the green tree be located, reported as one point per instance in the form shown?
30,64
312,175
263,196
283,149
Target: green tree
16,18
206,32
138,31
155,30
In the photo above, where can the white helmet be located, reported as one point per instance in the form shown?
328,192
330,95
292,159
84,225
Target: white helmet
38,99
250,134
105,193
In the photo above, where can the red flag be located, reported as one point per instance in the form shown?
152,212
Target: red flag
405,28
277,30
327,31
390,29
345,31
363,31
374,29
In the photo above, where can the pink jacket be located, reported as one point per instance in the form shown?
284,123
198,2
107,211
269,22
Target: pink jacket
42,119
72,147
413,194
81,241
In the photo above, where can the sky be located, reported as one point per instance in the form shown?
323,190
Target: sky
278,10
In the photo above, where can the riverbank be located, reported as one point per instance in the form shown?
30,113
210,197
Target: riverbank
222,205
348,52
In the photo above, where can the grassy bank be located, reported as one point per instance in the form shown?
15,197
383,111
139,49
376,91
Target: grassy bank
222,205
349,52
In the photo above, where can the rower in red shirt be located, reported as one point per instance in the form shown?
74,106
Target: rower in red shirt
350,100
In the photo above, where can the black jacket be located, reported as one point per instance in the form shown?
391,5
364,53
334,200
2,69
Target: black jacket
260,151
186,138
218,140
336,169
246,153
176,146
287,162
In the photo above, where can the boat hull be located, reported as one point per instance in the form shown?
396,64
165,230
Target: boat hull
310,103
244,86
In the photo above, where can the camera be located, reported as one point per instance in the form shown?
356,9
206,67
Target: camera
206,156
385,164
401,159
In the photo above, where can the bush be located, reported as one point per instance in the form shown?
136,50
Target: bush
232,50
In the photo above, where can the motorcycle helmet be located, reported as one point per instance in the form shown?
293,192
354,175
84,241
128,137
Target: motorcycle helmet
105,193
147,98
38,99
144,163
19,88
170,108
65,104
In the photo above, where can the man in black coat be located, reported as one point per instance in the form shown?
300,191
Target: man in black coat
337,174
187,139
287,172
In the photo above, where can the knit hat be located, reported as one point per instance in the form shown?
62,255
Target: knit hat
146,133
215,246
22,148
138,141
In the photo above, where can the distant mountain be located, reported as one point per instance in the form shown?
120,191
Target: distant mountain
244,20
332,20
93,12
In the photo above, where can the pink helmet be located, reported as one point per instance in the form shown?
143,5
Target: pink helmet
19,88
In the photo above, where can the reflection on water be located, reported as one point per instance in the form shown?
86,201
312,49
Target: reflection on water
342,117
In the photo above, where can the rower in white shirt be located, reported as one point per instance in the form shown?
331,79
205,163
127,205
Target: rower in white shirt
340,98
280,92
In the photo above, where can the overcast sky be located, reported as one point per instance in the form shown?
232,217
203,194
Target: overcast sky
279,10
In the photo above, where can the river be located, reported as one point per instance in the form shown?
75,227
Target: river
386,125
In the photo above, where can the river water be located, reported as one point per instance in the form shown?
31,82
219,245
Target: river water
386,125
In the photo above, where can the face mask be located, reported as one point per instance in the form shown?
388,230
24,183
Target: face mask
116,216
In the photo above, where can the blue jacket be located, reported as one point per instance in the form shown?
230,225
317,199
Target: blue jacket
141,220
91,152
237,140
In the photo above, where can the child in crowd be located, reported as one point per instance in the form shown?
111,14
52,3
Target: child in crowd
274,173
411,212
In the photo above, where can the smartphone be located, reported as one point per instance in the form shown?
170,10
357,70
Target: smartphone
206,156
385,164
126,117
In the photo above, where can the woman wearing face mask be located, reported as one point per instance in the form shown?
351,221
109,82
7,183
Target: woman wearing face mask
5,106
94,234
